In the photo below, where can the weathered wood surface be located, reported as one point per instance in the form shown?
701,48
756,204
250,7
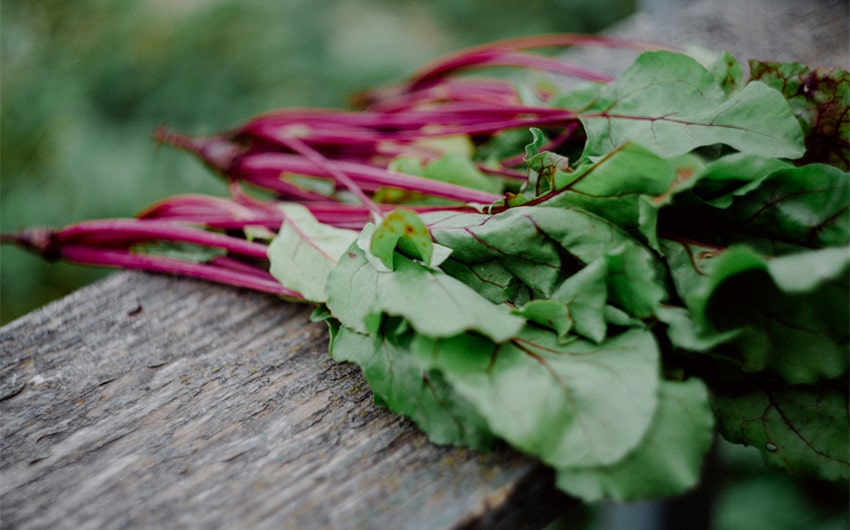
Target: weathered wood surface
150,401
146,401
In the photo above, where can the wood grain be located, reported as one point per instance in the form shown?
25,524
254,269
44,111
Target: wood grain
150,401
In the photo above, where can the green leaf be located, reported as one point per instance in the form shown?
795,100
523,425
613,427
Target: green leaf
671,104
820,98
668,460
575,404
802,429
457,168
808,205
404,229
733,175
178,250
773,207
433,302
543,166
787,314
489,279
727,73
406,385
541,246
305,250
626,187
579,302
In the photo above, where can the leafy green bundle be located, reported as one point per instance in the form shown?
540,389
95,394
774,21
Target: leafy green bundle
601,277
682,277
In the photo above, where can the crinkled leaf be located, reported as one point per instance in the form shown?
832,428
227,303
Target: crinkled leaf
304,252
579,302
787,314
489,279
779,210
668,460
543,166
671,104
575,404
734,175
540,245
803,429
626,187
808,205
433,302
820,98
406,385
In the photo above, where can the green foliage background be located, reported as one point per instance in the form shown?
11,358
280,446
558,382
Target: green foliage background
84,84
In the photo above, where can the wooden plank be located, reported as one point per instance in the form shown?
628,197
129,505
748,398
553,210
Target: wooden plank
146,400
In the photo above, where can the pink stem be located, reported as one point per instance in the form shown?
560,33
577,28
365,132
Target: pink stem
257,280
124,231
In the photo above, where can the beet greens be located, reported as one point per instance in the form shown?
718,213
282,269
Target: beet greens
601,277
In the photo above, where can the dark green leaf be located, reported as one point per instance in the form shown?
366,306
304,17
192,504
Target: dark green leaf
626,187
820,98
787,314
803,429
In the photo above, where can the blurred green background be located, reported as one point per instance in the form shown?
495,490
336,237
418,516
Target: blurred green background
84,83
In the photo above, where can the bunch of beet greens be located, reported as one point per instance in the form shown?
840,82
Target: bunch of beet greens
602,277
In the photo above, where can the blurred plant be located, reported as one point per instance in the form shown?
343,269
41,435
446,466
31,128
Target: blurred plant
85,83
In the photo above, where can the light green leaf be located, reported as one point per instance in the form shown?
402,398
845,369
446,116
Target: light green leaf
305,250
433,302
668,460
575,404
404,229
457,168
671,104
727,72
